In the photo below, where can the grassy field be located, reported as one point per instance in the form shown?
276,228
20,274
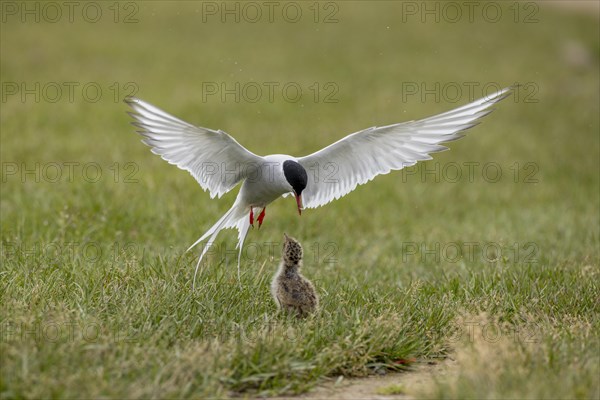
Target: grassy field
488,254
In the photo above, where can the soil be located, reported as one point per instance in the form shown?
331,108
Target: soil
412,381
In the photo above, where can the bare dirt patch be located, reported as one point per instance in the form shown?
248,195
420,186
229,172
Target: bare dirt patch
377,387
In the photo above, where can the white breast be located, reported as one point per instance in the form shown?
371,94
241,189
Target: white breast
267,182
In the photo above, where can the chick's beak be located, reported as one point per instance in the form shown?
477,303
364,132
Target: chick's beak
299,203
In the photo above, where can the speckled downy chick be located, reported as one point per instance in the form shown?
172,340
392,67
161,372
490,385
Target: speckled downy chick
292,291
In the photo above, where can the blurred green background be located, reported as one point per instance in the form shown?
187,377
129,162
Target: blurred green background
371,54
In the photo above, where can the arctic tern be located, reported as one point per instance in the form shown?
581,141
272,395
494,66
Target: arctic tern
219,163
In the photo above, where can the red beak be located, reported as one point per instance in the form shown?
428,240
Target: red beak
299,203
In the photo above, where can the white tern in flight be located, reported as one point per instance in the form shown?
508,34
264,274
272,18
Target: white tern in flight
219,163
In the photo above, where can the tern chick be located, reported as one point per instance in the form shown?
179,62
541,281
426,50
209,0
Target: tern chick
292,291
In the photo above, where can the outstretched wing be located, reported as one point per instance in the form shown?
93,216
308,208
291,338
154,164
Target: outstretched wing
215,159
356,159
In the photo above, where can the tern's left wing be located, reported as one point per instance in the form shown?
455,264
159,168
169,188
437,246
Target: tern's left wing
356,159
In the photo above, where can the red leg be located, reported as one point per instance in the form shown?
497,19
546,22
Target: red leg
261,216
252,216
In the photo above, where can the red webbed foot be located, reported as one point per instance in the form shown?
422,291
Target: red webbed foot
261,216
252,216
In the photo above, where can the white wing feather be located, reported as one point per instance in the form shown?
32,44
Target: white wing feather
215,159
356,159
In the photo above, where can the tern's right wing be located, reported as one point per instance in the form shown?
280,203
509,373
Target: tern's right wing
215,159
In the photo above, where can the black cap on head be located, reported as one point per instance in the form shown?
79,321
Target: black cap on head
296,175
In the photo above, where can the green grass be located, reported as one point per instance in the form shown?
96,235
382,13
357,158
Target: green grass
392,389
96,292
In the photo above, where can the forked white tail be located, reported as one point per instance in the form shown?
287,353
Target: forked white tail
234,218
